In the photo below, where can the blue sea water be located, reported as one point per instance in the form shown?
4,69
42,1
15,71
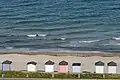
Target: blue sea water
58,25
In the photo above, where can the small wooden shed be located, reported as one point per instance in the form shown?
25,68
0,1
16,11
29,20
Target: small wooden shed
99,67
76,67
6,65
31,66
49,66
63,67
112,67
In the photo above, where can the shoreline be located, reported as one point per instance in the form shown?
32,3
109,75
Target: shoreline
67,53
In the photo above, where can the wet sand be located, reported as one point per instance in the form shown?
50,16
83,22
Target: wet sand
67,53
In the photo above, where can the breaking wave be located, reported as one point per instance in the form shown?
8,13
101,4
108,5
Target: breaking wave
89,41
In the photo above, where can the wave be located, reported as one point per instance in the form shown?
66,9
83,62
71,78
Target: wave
42,35
27,3
32,35
117,44
63,38
89,41
35,35
113,8
7,15
9,47
116,38
16,41
73,32
50,29
28,21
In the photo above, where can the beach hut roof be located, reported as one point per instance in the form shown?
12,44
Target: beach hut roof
49,63
99,63
32,62
63,63
112,63
76,64
6,62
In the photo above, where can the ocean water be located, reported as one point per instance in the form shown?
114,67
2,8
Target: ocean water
60,25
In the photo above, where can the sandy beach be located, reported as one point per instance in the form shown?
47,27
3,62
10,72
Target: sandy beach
19,60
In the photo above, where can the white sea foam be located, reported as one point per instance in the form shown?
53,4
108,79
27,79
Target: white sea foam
63,38
31,35
35,35
117,44
42,35
88,41
9,47
116,38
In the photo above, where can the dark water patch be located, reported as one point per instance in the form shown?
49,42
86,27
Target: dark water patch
16,41
113,8
12,18
49,29
78,32
7,15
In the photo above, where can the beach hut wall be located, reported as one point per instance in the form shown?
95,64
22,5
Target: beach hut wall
63,67
99,67
76,67
112,67
6,65
31,66
49,66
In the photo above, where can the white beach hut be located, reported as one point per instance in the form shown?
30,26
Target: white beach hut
31,66
6,65
76,67
112,66
99,67
49,66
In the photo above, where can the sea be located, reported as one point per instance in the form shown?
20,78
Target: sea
60,25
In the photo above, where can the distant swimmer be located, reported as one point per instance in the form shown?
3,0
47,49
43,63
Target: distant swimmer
37,35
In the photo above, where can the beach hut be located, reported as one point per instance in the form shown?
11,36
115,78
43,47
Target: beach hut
6,65
31,66
112,66
63,66
99,67
49,66
76,67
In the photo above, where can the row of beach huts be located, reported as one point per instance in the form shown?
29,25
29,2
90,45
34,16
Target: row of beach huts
62,66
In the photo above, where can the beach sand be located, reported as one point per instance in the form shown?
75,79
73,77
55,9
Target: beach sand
87,60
